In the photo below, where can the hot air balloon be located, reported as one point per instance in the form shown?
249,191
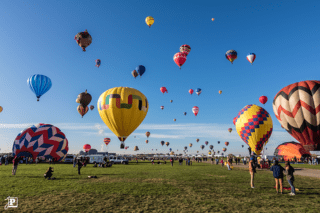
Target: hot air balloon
251,57
84,99
218,152
162,143
82,111
39,84
195,110
224,149
147,141
226,143
197,140
191,91
134,73
162,107
170,149
122,117
254,126
126,147
218,142
136,148
149,21
202,147
163,90
231,55
242,146
106,141
171,101
185,148
190,145
167,143
263,99
209,153
197,151
220,91
86,148
91,107
212,19
185,49
198,91
289,150
180,58
98,63
174,119
140,70
211,147
41,140
230,130
83,39
185,113
147,134
296,108
206,143
1,108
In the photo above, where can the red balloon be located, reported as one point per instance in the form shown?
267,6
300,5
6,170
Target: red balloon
163,90
179,58
86,147
226,143
191,91
263,99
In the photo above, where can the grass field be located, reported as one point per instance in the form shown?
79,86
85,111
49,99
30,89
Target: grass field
143,187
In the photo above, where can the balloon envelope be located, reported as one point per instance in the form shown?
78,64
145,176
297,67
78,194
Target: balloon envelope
231,55
122,109
191,91
140,70
180,58
263,99
290,150
163,90
251,57
86,147
185,49
39,84
149,21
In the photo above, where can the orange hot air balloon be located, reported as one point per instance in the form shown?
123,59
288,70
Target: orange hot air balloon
212,19
226,143
167,143
147,134
220,91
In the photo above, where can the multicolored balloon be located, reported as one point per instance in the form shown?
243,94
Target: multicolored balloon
121,117
190,145
163,90
185,49
251,57
167,143
296,107
162,107
147,141
195,110
134,73
185,148
82,111
83,39
39,84
206,143
149,21
198,91
230,130
106,141
98,63
91,107
148,134
231,55
84,99
180,58
191,91
263,99
170,149
224,149
226,143
41,140
254,126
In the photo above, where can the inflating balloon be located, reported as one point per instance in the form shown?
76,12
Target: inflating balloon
83,39
254,126
289,150
149,21
231,55
39,84
82,111
98,63
42,140
185,49
191,91
195,110
86,148
251,57
180,58
296,107
163,90
263,99
122,109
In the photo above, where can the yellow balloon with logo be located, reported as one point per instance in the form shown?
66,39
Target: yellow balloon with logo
149,21
254,126
122,109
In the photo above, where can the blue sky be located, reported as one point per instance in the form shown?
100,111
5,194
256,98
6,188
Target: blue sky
38,38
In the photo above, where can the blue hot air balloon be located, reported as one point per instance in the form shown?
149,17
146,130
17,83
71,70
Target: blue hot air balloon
198,91
170,149
140,69
39,84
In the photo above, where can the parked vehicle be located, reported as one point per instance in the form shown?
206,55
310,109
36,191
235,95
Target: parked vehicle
69,159
118,159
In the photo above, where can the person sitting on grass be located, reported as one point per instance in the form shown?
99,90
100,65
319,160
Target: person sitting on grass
95,164
48,173
278,175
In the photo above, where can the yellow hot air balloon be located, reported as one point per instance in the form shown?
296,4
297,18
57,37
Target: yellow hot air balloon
122,109
254,126
149,21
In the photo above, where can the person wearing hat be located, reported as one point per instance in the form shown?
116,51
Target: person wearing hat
252,170
278,175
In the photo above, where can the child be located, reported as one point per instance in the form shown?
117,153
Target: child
290,177
221,161
278,175
48,173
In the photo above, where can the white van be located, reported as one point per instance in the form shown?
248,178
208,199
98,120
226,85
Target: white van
95,158
119,159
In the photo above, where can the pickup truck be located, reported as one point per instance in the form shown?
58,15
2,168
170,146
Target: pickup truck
119,159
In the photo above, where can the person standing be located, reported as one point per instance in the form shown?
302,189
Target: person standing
252,170
27,160
79,166
37,160
290,178
171,160
217,160
15,165
229,163
278,175
74,161
221,162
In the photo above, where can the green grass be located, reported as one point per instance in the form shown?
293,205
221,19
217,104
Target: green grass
143,187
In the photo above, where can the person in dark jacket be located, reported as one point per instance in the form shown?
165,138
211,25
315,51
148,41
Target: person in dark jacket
79,166
15,165
171,160
48,173
278,175
290,178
